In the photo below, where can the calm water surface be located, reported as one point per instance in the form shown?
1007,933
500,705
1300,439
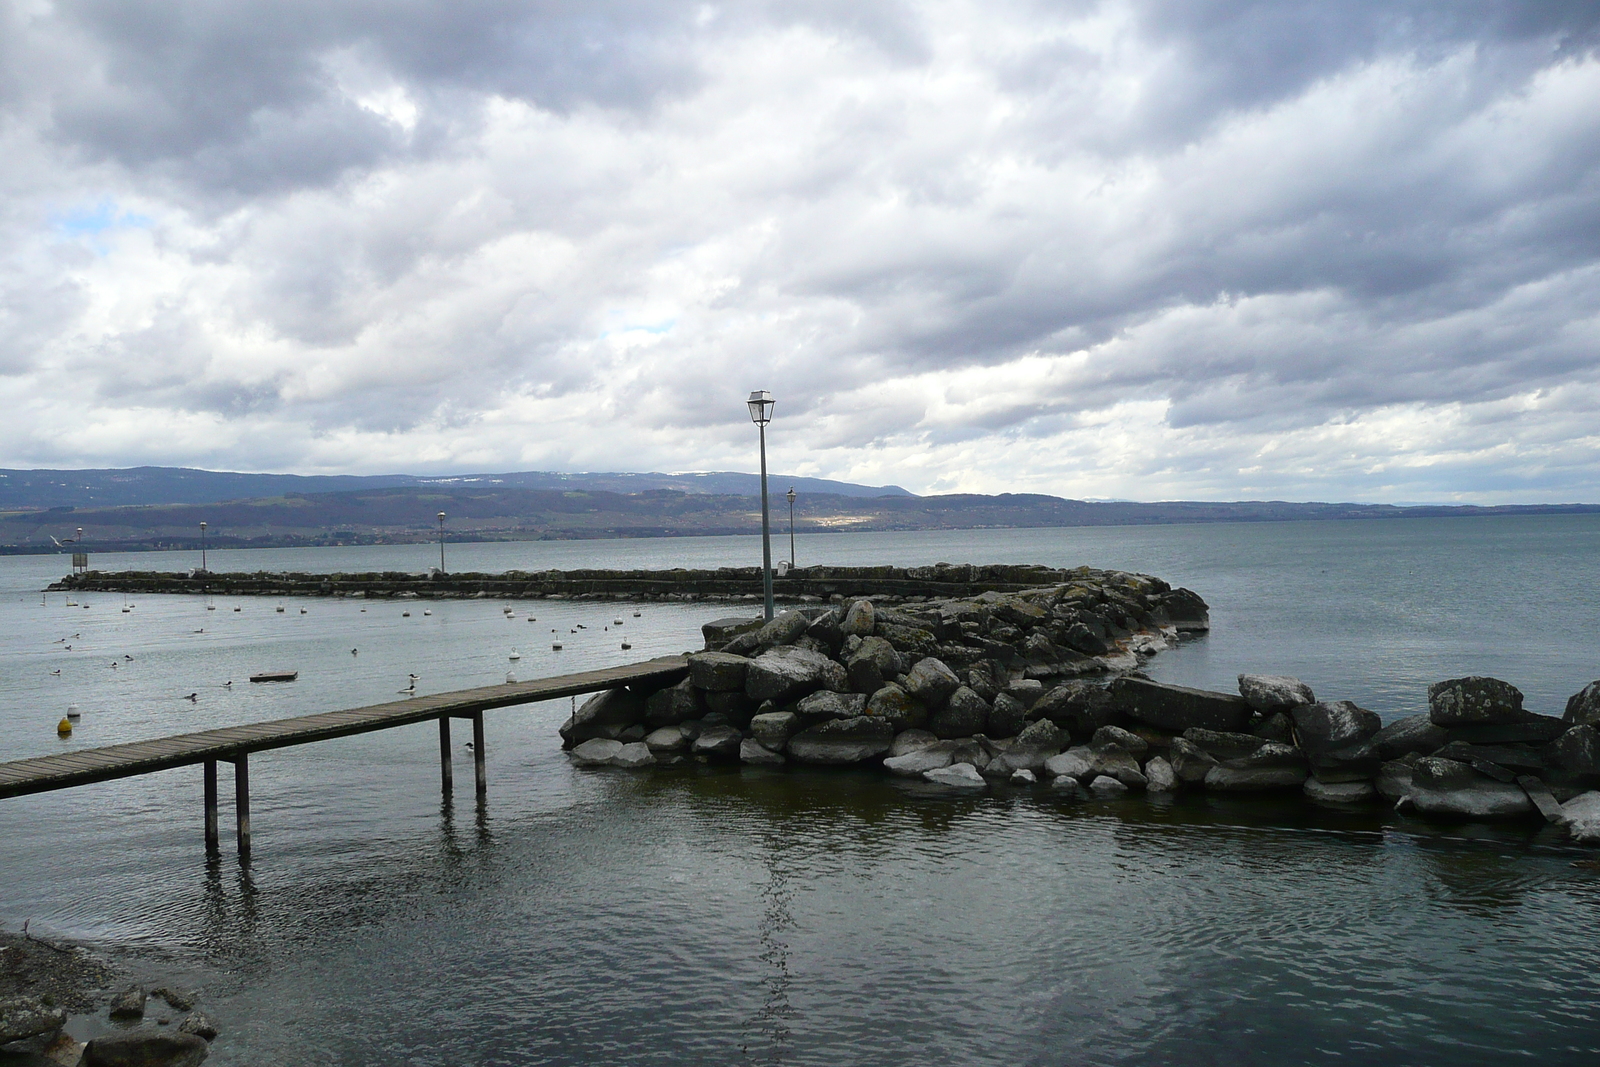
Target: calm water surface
732,916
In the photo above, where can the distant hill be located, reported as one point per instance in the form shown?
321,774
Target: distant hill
476,512
22,490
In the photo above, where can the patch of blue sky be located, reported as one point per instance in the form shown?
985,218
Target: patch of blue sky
94,221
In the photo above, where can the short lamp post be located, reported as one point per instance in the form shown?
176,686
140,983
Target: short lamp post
441,542
791,526
760,405
202,548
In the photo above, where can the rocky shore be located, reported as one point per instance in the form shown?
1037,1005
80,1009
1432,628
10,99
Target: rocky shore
42,984
1041,685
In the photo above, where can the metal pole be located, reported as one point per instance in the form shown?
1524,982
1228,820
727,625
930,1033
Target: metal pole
241,801
202,547
766,530
447,774
791,529
211,808
441,542
477,754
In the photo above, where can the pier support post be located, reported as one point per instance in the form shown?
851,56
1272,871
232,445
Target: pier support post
241,800
447,775
212,846
477,754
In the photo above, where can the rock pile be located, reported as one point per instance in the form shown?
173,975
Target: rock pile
1042,685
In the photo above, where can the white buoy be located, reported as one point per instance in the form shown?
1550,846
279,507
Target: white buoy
405,614
515,654
73,714
555,646
427,611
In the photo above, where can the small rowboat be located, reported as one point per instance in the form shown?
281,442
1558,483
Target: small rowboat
275,676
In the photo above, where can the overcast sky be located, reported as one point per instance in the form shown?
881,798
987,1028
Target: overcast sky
1203,249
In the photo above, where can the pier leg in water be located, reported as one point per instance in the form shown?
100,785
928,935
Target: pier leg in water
212,846
447,775
477,754
241,800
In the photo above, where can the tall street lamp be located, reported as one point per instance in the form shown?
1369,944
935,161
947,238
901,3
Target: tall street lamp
441,542
791,526
202,548
760,405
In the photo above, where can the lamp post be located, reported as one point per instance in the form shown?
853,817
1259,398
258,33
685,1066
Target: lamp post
791,526
760,405
441,542
202,548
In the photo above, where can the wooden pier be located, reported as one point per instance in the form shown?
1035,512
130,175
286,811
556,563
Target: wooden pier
234,744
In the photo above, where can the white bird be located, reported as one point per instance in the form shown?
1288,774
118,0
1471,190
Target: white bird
56,671
68,540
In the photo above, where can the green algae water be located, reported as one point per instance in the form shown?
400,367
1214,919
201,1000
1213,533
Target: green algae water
733,915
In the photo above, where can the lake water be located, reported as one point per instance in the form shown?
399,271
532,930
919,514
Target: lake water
738,915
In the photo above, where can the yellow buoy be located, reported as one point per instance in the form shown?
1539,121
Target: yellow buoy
64,727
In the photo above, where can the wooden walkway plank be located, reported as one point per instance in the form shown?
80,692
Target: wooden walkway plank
82,766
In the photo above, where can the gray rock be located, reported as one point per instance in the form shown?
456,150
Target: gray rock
613,708
719,632
1131,742
1583,707
1274,692
1275,727
1189,761
784,629
735,707
753,751
1159,776
676,703
916,763
1106,786
596,752
175,998
198,1024
1025,691
718,671
1581,817
957,776
1069,764
128,1004
825,630
1224,745
1475,701
146,1048
1007,717
1079,707
840,741
636,732
1394,780
1340,792
963,715
1178,708
774,728
1033,747
1414,733
859,619
786,673
27,1016
911,740
873,663
1080,638
931,682
1446,787
912,641
1270,767
1111,761
1578,751
1023,776
634,756
1335,736
717,742
898,707
1068,784
981,680
829,705
667,741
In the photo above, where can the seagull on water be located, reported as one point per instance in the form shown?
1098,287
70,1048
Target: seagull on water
411,689
57,671
193,698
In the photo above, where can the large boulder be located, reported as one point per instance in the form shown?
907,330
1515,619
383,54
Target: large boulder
912,641
1581,817
1394,780
1578,751
1273,766
1339,793
1111,761
957,776
1268,693
753,751
826,704
633,756
1335,735
824,629
717,742
1223,744
931,682
962,715
146,1048
1007,716
595,752
1414,733
735,707
1159,776
899,707
719,632
1447,787
1583,707
602,715
911,740
1078,707
1032,748
838,741
25,1017
774,728
718,671
676,703
667,741
1475,701
1176,707
1131,742
915,763
873,663
1068,764
784,629
1189,761
786,673
859,619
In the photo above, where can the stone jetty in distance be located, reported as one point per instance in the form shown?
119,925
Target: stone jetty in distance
1042,686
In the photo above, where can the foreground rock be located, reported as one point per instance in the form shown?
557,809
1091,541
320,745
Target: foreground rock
25,1017
146,1048
1446,787
1178,708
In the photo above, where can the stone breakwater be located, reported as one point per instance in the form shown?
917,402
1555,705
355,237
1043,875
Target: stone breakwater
1042,686
890,585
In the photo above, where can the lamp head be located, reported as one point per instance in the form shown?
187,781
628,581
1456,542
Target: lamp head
760,405
791,494
202,526
441,516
